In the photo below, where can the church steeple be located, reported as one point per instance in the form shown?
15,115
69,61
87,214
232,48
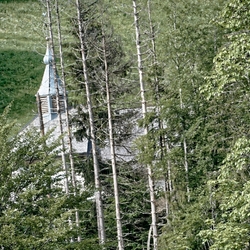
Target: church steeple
47,90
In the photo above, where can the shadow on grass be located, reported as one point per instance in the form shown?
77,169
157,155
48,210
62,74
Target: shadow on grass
20,77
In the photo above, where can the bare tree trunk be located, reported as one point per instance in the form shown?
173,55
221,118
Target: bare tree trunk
99,204
168,182
168,185
57,95
153,50
185,154
181,106
149,237
144,111
40,114
70,147
112,150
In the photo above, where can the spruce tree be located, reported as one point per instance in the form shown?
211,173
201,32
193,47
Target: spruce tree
33,208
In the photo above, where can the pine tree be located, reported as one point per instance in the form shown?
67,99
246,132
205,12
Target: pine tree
99,203
229,95
111,142
144,113
230,228
66,106
186,121
33,208
58,105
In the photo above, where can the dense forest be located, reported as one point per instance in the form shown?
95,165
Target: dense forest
164,83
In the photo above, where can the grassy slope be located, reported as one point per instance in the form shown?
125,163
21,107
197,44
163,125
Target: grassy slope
21,45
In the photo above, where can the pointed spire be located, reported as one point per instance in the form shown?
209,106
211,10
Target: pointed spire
47,86
47,90
47,59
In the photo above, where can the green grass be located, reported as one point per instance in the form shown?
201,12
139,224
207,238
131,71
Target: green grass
21,73
22,46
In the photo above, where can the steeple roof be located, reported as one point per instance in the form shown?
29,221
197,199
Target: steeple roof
48,84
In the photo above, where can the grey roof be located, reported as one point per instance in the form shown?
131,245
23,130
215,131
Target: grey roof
78,146
124,151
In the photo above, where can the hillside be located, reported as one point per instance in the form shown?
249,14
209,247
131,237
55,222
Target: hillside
185,66
21,51
22,46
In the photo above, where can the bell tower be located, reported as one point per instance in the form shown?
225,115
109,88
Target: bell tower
47,91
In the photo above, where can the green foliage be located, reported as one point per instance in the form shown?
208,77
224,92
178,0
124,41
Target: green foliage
35,212
227,88
232,61
134,206
235,15
182,111
231,192
32,211
222,151
199,118
182,232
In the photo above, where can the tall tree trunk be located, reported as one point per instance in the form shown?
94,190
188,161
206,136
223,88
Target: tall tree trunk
57,95
70,147
144,111
185,154
40,114
162,144
99,204
112,149
184,143
154,54
168,186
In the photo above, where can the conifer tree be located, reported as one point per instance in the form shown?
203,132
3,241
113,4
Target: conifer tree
58,105
33,210
98,197
66,106
111,141
144,113
229,94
